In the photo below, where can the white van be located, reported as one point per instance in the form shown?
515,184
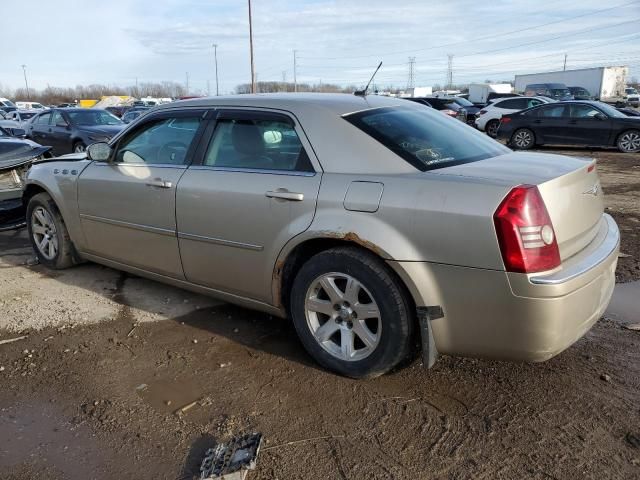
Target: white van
30,105
5,102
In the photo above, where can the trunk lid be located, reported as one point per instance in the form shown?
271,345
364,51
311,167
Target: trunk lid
569,187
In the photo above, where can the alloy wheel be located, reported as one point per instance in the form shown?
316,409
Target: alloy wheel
492,128
630,142
522,139
79,148
343,316
44,233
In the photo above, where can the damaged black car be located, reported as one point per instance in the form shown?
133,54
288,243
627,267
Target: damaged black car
16,156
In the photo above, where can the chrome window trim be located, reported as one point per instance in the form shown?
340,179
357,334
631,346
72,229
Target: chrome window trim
134,226
293,173
154,165
220,241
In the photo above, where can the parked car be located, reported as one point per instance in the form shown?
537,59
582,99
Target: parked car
557,91
67,105
373,223
18,119
571,123
73,129
132,114
118,110
460,114
632,97
580,93
16,155
488,119
30,105
456,104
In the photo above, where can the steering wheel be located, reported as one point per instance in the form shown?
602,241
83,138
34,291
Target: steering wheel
170,151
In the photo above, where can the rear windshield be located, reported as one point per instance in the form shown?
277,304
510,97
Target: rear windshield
426,138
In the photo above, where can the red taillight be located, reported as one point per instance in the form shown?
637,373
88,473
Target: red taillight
451,113
591,168
525,232
505,120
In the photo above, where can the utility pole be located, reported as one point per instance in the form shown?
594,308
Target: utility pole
215,59
295,73
208,89
411,81
564,67
187,84
449,71
26,84
253,76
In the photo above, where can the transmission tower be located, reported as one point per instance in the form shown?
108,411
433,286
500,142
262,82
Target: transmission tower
450,71
411,81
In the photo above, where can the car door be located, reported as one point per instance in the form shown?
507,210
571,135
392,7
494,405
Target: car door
59,133
254,187
588,125
127,205
551,123
39,129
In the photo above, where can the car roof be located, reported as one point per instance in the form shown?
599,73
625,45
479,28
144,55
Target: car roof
337,103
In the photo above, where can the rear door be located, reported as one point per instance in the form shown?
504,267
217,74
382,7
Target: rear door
127,206
39,129
552,123
588,125
254,187
59,133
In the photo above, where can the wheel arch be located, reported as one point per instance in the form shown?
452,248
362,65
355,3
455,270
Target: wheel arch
293,256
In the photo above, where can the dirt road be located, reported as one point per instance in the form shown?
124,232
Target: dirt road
92,391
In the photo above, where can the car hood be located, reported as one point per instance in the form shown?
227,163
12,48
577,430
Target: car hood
471,109
15,152
106,130
69,157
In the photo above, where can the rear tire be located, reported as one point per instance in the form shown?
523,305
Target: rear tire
491,128
48,234
523,139
351,314
629,141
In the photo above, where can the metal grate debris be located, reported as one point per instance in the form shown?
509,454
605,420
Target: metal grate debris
231,460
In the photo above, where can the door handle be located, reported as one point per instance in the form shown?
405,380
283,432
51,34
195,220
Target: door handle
537,121
159,183
285,195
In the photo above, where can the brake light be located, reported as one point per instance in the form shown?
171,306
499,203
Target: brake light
505,120
525,232
451,113
591,168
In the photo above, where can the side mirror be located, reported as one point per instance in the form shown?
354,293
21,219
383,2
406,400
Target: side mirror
100,152
19,132
600,116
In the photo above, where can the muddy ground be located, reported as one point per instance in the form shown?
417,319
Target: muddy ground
92,391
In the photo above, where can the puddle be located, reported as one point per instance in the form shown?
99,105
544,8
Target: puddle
170,395
625,303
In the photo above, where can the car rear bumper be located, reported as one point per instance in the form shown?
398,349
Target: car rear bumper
508,316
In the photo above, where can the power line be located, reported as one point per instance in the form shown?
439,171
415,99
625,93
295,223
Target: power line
487,37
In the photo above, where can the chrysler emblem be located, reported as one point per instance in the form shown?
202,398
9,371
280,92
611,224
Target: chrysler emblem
593,190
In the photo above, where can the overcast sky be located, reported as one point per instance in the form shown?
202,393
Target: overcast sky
70,42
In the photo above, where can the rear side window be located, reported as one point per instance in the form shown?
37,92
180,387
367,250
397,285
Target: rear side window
424,138
553,111
512,104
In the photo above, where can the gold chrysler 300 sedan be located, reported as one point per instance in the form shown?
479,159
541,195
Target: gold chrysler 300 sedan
375,224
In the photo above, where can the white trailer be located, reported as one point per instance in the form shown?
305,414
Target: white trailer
479,92
604,83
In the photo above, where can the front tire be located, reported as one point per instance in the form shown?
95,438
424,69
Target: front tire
351,314
48,233
629,141
523,139
79,147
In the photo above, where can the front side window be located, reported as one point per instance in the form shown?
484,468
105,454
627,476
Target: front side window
554,111
165,141
424,138
533,102
43,119
58,119
257,144
583,111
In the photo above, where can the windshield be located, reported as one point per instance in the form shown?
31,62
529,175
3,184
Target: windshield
424,138
610,111
7,103
463,102
631,91
93,117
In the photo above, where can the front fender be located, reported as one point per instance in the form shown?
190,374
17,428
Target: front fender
60,180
